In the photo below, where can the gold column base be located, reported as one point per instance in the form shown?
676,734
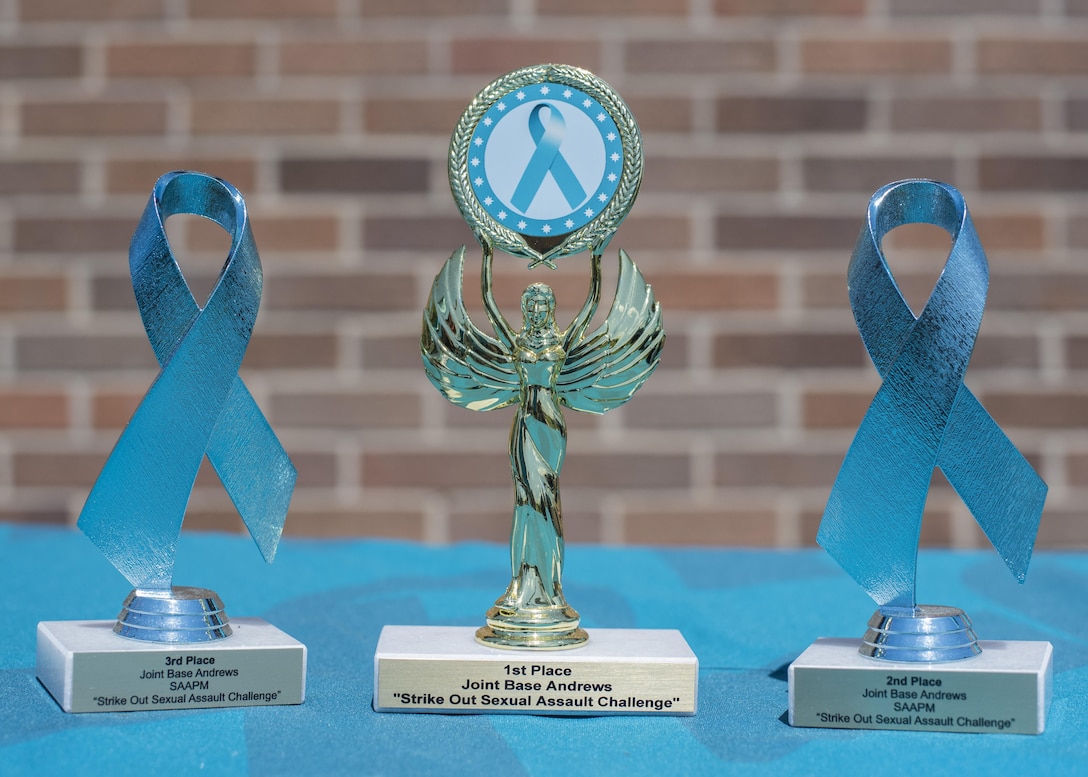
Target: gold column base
536,628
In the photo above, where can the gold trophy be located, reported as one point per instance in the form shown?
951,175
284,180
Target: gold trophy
545,163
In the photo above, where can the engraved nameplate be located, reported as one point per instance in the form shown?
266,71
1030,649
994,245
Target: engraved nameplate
88,668
617,672
1004,690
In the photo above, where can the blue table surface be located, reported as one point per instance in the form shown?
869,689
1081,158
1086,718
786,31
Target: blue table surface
745,613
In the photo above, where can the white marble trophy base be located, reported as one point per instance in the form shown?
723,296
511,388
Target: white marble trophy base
88,668
1004,690
617,672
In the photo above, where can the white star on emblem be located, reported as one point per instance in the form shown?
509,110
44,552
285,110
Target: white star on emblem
501,106
612,177
522,225
478,181
588,212
567,93
614,157
520,95
602,197
502,215
568,223
488,122
478,142
488,201
611,136
544,90
586,103
601,117
476,161
546,228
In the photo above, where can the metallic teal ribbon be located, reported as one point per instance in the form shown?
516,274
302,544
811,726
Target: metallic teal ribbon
923,416
546,158
197,405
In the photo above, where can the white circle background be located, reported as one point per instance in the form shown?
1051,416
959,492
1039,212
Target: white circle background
510,147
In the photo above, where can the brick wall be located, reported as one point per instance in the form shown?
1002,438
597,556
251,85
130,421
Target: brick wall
767,125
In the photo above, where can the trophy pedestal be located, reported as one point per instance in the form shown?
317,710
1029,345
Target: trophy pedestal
1006,689
89,668
617,672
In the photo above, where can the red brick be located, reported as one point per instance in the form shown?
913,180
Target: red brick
33,409
275,232
789,8
777,469
94,117
362,521
56,515
1053,56
341,410
79,351
1038,291
262,9
26,293
1011,231
1033,173
113,409
1076,115
269,351
702,411
700,56
793,233
966,113
138,176
354,58
1037,409
444,470
646,232
835,409
789,350
492,57
442,235
612,8
991,8
799,113
618,470
40,61
1061,530
20,177
74,235
390,352
434,8
79,11
357,291
57,468
710,174
412,116
936,527
877,55
662,114
354,175
1076,466
698,527
716,291
265,117
867,174
1076,352
167,59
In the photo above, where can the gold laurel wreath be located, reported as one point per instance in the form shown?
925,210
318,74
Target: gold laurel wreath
598,231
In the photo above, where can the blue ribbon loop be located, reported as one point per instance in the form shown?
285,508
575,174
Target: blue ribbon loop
546,158
923,415
197,405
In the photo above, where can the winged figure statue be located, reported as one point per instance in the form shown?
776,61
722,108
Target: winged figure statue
541,369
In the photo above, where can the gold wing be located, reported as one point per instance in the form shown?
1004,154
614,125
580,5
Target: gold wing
472,369
607,367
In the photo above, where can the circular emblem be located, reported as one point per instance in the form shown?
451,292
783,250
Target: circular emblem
546,162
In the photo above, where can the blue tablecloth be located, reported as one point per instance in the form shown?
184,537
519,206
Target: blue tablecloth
746,614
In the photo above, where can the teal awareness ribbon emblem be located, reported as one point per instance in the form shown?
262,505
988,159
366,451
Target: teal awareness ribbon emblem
547,158
923,415
197,405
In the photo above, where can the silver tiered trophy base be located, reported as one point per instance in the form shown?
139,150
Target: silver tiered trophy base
615,672
922,670
535,628
169,650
